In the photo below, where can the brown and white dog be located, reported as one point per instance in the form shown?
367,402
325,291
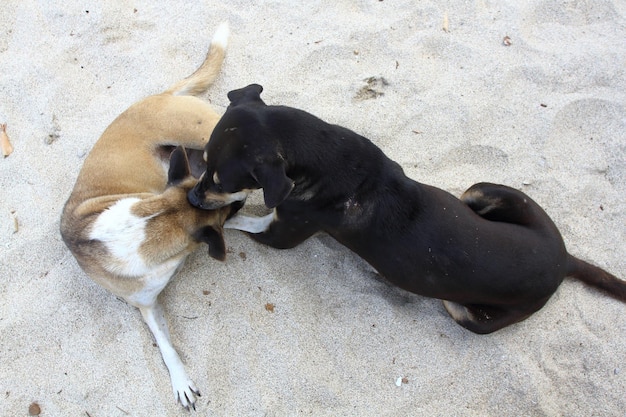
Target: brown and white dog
494,255
128,221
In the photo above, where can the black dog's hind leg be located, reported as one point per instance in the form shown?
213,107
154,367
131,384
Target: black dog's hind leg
483,319
501,203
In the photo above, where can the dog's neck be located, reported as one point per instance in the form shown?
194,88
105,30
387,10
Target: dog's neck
311,146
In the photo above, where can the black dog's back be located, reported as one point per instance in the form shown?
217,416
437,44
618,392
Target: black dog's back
419,237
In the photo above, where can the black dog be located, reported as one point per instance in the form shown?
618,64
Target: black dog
494,256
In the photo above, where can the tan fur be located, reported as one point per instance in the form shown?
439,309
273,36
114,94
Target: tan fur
130,160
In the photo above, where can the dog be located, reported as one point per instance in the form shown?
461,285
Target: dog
128,222
494,257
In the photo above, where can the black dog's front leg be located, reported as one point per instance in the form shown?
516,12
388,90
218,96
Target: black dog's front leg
273,230
285,234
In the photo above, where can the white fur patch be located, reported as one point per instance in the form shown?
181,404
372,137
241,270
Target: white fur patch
122,233
458,312
220,38
154,281
250,224
238,196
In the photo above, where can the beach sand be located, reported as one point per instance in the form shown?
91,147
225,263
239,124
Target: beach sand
531,95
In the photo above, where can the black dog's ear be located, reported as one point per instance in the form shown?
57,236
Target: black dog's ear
179,166
274,181
215,240
246,94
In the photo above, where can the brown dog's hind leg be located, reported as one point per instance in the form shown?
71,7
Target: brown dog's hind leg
483,319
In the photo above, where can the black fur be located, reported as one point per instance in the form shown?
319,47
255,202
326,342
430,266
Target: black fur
494,255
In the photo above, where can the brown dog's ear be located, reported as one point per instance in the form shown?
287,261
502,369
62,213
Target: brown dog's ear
215,240
274,181
249,93
179,166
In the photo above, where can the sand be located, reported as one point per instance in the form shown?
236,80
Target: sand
529,94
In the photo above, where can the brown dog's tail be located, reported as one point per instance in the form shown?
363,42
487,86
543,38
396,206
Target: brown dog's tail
198,82
596,277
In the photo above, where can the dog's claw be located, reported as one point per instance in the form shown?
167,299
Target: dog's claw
187,397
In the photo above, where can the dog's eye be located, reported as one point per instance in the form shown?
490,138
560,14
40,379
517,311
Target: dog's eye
217,182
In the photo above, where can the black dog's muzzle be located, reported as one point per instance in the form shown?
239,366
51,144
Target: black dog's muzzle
213,201
197,199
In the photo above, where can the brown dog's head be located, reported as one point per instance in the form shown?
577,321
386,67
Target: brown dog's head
242,156
201,225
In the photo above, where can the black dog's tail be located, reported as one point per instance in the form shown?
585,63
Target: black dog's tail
596,277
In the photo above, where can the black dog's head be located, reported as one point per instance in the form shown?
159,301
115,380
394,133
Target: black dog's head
242,156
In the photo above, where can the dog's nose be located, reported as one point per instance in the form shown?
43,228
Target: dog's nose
193,197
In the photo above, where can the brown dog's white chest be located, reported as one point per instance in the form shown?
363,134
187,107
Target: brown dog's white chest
127,237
